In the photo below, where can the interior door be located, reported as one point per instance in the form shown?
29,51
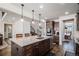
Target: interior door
7,30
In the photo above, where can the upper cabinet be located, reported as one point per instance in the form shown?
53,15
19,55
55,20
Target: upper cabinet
77,21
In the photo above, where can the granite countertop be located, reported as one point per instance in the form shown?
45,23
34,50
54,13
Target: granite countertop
28,40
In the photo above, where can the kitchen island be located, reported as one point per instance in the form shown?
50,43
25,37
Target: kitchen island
30,46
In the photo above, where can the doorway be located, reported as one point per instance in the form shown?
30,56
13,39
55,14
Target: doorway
68,41
7,31
69,29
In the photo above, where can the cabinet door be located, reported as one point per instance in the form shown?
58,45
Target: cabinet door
36,49
41,48
77,21
1,39
28,50
77,49
44,46
47,44
16,50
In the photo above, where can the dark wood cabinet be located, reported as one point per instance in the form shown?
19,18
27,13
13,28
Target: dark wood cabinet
44,47
41,48
27,50
1,39
77,20
35,49
77,49
16,50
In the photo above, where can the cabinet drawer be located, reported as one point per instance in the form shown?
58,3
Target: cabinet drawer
35,44
28,47
28,52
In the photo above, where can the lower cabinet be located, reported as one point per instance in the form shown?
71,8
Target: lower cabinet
44,47
16,50
35,49
77,49
1,39
21,51
27,50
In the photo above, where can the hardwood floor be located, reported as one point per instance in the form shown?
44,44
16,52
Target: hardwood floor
5,52
55,51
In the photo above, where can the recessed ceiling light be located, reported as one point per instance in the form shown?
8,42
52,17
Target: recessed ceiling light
41,6
66,13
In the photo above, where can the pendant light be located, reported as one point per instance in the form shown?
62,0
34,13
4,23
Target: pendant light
39,19
33,17
42,20
22,5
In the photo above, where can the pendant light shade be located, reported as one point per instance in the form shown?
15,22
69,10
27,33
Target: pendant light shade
39,19
22,5
33,22
39,24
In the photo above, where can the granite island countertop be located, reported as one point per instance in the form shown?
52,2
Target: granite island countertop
28,40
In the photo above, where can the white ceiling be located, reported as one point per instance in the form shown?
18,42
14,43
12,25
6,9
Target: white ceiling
50,10
12,17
